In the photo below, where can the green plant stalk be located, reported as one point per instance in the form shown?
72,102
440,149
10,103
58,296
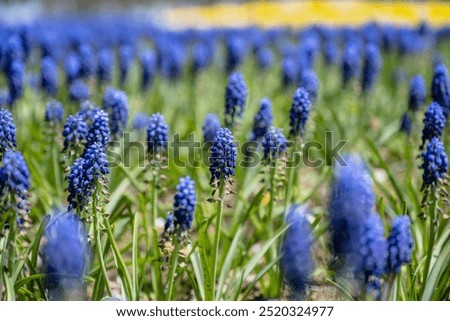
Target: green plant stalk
173,268
431,238
291,175
156,273
135,256
215,254
274,275
98,244
56,169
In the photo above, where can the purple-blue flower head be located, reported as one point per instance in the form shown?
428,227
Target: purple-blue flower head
309,81
157,134
72,67
440,88
434,123
75,132
79,91
406,124
140,121
16,74
49,76
210,127
87,60
148,68
273,143
99,131
372,67
236,52
299,113
296,260
235,98
262,120
7,132
289,70
265,58
126,56
105,61
54,113
350,62
400,243
65,256
201,56
115,103
331,52
184,203
434,162
222,159
417,93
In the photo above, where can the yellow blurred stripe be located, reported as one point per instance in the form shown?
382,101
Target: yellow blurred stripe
300,13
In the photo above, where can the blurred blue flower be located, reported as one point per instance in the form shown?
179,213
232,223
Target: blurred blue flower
7,132
262,120
157,134
235,98
148,68
140,121
400,243
299,113
79,91
372,67
350,62
184,203
435,162
309,81
222,160
236,52
440,88
417,93
16,73
434,123
105,64
54,113
72,67
49,76
115,103
265,58
87,60
406,124
126,56
75,132
210,127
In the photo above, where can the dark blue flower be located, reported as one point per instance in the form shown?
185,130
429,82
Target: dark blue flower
13,52
105,65
4,98
435,162
210,127
148,68
434,123
115,103
49,76
157,134
15,178
372,67
75,132
331,52
263,120
126,56
79,91
99,131
440,88
7,132
72,67
54,112
417,93
235,98
169,225
406,124
400,243
236,52
273,143
309,81
296,261
87,61
65,256
184,203
350,62
265,58
16,74
88,111
140,121
372,249
351,202
289,70
299,113
222,159
201,56
171,59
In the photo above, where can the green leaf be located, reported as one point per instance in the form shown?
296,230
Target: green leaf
209,295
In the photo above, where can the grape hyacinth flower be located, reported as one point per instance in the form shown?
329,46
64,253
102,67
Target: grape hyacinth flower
79,91
115,103
148,69
184,203
7,132
417,93
126,55
265,58
65,256
434,123
16,73
88,111
309,81
331,52
87,60
201,56
236,52
75,133
104,65
210,127
435,163
274,144
157,135
372,66
49,76
350,63
289,71
440,88
262,120
4,98
296,261
85,174
140,121
72,67
13,52
406,124
15,180
351,202
222,160
299,112
400,243
99,132
235,98
54,113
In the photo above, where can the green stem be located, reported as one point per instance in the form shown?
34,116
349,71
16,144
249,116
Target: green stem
155,269
135,257
431,238
215,253
272,254
98,244
173,267
56,169
291,174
